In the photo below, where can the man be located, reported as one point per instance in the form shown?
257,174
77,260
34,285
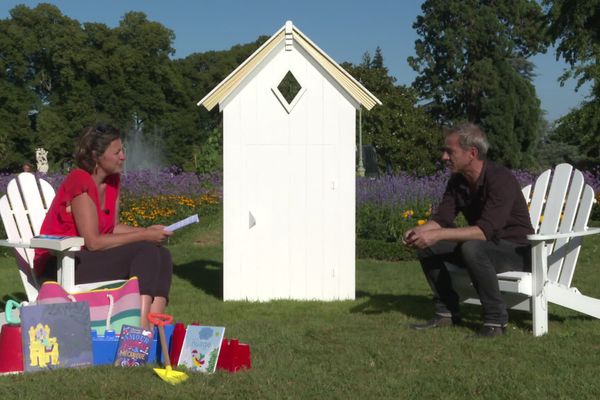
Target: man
494,241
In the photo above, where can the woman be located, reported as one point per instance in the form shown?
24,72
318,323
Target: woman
87,205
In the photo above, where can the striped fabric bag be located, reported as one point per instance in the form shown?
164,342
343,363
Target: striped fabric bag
109,308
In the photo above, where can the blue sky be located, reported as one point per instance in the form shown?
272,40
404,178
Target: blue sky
344,29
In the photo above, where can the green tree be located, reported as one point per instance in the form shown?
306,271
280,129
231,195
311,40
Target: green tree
43,65
136,82
200,73
581,128
512,117
472,63
404,136
575,27
553,151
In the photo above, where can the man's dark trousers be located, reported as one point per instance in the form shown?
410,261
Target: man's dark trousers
483,259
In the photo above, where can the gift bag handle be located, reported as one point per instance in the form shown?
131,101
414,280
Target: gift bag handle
111,304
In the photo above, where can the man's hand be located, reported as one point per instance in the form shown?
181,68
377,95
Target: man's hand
420,238
427,235
417,236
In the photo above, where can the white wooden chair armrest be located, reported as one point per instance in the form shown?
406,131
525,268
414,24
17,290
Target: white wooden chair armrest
60,246
65,262
7,243
554,236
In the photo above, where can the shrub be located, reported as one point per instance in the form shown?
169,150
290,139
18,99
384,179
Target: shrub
164,209
388,223
380,250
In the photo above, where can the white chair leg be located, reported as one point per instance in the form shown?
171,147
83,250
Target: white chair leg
66,270
539,299
539,307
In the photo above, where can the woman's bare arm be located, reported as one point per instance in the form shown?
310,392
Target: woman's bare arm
86,220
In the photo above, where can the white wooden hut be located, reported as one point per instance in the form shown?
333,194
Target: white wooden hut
289,172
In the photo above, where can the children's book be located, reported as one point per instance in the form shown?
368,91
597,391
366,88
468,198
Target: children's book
53,242
56,336
201,347
134,346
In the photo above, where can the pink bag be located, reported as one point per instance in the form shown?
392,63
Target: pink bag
109,308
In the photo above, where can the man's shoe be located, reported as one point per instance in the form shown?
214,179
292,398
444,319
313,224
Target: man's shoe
488,331
437,321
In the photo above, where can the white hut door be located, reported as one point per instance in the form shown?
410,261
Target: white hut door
290,193
266,176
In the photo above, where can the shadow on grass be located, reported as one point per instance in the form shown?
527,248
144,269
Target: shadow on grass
421,307
206,275
412,306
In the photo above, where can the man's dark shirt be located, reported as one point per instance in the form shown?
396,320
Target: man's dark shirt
497,206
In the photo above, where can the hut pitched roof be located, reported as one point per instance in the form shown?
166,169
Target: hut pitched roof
290,34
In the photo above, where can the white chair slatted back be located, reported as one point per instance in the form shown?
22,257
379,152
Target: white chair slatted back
567,219
527,194
555,199
23,210
538,199
47,192
10,225
581,220
23,256
32,200
17,206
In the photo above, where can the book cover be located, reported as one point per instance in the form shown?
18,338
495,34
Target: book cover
201,347
134,346
56,336
56,242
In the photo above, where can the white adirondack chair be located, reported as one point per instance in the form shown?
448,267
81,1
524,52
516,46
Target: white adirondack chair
23,209
559,206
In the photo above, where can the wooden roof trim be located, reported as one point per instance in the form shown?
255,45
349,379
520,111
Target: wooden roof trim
354,88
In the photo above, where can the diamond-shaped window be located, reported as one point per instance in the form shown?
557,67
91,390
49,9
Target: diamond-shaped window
288,91
289,87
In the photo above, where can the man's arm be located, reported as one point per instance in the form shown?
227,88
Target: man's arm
422,238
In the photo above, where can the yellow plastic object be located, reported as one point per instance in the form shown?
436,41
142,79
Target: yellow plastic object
167,374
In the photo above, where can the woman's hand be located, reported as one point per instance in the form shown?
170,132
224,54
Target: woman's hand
156,233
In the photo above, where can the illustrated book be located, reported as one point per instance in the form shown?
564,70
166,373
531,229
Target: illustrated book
56,336
201,347
134,346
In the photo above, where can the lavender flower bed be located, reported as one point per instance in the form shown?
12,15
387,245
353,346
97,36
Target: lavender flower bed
401,190
407,191
169,181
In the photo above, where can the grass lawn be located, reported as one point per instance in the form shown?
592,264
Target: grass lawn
360,349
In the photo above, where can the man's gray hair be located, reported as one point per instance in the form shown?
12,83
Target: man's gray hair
470,135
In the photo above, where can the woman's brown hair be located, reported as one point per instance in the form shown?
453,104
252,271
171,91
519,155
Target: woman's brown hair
93,142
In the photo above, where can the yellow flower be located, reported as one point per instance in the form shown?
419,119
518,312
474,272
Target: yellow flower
421,222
